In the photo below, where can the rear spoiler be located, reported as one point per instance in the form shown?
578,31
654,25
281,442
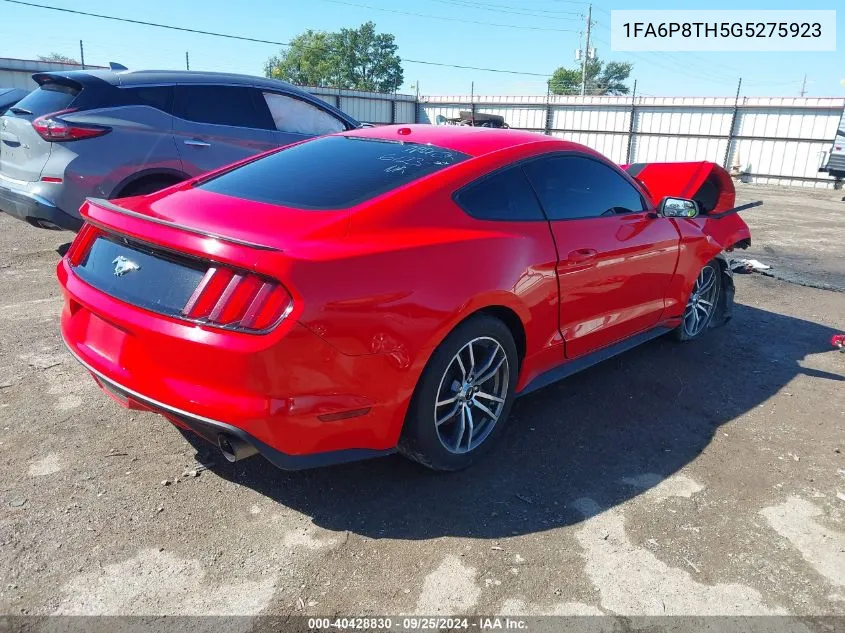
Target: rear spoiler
62,77
105,204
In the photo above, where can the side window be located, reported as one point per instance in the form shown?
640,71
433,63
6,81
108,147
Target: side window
578,187
300,117
222,105
506,195
159,97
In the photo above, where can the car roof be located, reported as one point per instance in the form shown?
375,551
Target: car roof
474,141
127,78
146,77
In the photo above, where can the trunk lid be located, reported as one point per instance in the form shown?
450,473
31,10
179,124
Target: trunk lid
23,153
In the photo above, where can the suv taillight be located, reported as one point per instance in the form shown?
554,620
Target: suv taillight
238,300
51,127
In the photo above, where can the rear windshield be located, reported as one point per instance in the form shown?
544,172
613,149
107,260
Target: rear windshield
48,98
332,172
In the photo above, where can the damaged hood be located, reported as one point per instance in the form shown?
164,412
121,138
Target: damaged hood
707,183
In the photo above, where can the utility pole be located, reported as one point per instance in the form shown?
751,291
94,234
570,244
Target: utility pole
586,51
82,54
472,103
187,61
804,85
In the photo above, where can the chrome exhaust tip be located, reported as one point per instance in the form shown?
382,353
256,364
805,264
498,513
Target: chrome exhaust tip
234,449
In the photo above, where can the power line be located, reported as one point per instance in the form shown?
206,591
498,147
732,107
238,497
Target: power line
448,19
500,8
161,26
488,70
666,66
505,6
250,39
709,64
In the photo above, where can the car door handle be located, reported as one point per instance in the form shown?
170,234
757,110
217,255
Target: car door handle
195,142
581,255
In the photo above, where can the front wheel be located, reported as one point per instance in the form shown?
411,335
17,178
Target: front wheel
464,396
702,304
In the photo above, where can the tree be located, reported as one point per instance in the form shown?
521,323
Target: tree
57,57
360,59
602,79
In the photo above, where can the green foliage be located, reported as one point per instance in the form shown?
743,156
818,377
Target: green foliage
360,59
57,57
602,79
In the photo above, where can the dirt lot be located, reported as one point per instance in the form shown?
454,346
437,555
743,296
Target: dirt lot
676,479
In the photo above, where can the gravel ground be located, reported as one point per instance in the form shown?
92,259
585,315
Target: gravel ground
676,479
800,232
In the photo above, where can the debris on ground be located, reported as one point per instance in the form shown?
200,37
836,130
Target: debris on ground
691,564
194,472
748,266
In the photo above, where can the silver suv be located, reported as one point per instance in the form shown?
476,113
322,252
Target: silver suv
112,134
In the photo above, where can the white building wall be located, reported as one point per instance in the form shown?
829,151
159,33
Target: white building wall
779,140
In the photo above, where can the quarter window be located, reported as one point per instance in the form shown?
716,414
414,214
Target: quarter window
300,117
158,97
506,195
572,187
223,105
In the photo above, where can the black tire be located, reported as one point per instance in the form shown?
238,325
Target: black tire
145,187
684,332
420,440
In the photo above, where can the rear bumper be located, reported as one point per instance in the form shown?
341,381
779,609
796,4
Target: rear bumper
290,394
210,429
27,202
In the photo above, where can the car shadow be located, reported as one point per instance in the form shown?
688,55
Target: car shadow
648,412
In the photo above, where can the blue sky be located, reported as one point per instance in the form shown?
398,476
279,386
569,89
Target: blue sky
536,36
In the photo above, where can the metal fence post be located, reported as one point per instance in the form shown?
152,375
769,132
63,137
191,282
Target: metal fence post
631,124
548,112
733,125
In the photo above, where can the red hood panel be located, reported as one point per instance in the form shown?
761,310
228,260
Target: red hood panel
706,182
261,223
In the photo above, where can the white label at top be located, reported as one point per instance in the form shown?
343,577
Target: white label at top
723,30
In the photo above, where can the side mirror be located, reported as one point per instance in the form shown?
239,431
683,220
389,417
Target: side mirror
678,208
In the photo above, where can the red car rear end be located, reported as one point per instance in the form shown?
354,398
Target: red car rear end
335,299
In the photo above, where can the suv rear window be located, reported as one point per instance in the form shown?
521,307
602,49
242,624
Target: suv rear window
48,98
332,172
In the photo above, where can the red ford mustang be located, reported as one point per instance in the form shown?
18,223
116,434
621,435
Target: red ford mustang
390,288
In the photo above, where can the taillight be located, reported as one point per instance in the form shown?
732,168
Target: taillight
51,127
81,243
237,300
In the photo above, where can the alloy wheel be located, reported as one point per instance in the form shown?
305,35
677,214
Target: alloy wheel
702,301
471,395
